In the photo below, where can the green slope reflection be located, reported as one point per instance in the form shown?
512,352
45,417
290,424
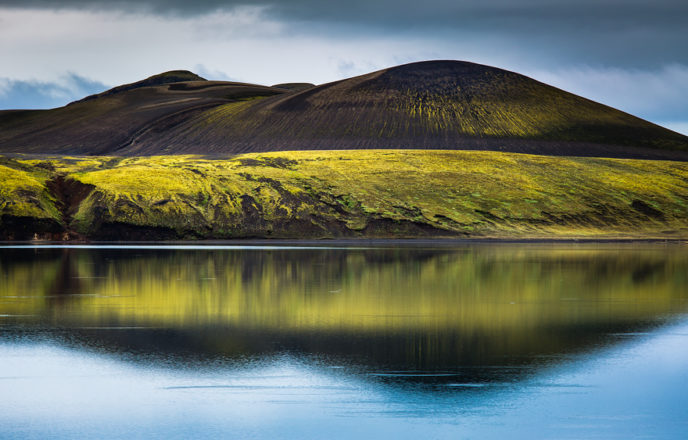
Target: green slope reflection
409,314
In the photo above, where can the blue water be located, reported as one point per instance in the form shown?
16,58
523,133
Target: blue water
637,389
81,378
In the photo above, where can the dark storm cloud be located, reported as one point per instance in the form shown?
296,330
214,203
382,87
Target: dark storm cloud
38,94
409,12
632,33
402,13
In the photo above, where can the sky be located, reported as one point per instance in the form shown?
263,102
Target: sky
630,54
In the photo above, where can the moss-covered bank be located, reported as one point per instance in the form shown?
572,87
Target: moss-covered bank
323,194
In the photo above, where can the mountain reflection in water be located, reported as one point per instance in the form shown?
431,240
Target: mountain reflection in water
400,315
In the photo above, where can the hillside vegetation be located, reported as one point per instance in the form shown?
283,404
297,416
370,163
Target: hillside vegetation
328,194
429,105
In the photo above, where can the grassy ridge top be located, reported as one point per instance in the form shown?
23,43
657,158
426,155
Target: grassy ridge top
376,193
431,105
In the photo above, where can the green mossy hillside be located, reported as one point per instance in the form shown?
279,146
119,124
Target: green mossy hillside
370,193
23,193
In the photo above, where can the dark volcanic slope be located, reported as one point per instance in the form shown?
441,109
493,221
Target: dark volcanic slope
155,80
108,123
436,104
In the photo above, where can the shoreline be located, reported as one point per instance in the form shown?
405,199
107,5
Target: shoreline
328,243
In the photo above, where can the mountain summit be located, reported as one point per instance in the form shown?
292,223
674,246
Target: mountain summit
426,105
172,76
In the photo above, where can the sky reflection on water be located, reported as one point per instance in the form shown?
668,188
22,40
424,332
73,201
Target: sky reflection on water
634,390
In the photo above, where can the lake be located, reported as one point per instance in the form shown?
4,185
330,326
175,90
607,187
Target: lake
395,340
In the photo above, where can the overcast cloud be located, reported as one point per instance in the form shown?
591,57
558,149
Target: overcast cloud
626,53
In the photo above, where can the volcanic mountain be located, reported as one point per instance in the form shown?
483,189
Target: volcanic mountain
426,105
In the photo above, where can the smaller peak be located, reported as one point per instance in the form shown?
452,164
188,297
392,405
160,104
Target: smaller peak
173,76
293,86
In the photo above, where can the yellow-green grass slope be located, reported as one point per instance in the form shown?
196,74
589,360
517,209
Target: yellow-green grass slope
370,193
26,206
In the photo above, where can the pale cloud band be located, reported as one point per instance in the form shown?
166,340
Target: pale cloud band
20,94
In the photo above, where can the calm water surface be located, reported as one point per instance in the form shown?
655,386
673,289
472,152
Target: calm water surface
482,341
